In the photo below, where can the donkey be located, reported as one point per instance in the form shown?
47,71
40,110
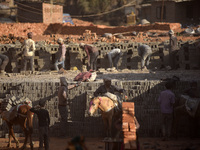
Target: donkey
106,105
24,118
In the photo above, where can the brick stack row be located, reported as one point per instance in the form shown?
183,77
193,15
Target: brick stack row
144,94
45,56
128,126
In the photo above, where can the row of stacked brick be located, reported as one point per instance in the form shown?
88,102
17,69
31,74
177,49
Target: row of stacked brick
187,56
11,100
129,126
144,94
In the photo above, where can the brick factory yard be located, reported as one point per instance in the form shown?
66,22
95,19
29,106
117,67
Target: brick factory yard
97,144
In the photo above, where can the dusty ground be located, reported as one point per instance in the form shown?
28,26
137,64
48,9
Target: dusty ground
123,75
98,144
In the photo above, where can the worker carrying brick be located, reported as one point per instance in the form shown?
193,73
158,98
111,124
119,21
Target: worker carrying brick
60,55
173,49
3,63
113,57
109,90
92,54
29,51
144,51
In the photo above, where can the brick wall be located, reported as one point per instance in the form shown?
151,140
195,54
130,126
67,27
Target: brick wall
187,57
144,94
52,13
170,11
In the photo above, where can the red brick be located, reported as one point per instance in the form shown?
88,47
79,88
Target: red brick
130,135
127,118
128,104
132,127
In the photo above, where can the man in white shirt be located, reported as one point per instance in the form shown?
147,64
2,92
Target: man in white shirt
113,57
29,51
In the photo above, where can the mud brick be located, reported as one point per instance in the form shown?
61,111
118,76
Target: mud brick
126,144
128,104
132,127
125,126
127,118
133,145
131,110
130,135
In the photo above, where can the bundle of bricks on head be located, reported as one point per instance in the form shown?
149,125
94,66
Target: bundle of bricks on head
10,101
128,126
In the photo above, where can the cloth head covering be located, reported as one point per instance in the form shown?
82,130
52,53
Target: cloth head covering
63,81
60,40
30,35
106,79
42,103
171,32
81,44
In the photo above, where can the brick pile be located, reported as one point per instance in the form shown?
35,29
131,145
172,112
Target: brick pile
128,125
144,94
187,56
11,100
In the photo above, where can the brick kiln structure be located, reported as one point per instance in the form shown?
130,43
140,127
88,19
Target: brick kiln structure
36,12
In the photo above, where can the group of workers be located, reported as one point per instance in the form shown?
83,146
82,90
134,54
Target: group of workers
113,56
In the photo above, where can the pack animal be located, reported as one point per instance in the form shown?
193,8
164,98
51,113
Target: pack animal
24,118
106,105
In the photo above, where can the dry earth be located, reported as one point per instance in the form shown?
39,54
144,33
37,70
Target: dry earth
123,75
98,144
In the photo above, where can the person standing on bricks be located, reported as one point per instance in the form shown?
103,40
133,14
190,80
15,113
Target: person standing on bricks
29,51
62,103
3,63
92,54
144,51
60,55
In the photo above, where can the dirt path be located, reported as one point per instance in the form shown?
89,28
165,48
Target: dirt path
97,144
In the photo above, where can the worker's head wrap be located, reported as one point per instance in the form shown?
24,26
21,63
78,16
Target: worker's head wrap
60,40
30,35
63,81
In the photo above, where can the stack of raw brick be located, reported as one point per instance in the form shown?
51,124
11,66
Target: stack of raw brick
11,101
128,125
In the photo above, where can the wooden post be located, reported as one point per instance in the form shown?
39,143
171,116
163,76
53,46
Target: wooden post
162,11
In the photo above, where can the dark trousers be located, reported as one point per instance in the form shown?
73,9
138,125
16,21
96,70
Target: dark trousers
44,137
63,122
26,59
4,63
166,124
145,59
172,59
93,60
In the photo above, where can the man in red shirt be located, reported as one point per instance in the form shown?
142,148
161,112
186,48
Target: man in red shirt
92,54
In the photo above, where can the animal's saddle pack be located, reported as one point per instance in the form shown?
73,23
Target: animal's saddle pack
191,104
